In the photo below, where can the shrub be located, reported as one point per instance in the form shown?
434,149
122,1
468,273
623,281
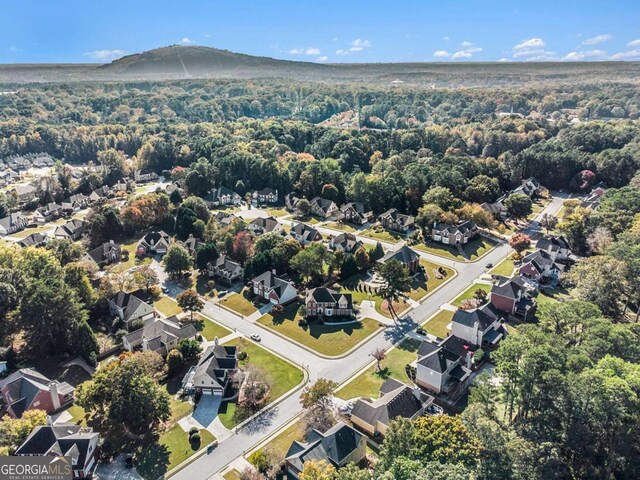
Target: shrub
119,334
242,356
260,460
195,440
193,430
478,356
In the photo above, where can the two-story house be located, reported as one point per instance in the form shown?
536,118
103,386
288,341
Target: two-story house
541,266
159,335
408,257
71,230
225,270
478,327
557,247
346,242
106,254
222,196
454,234
51,211
323,208
28,389
261,225
99,194
354,212
392,219
13,223
328,302
266,195
304,234
214,371
277,290
132,307
34,240
513,296
153,243
75,203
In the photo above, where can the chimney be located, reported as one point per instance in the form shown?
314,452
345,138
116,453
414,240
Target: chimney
111,242
216,341
55,398
273,271
145,343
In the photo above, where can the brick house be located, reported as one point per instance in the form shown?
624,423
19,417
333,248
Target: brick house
28,389
392,219
454,234
327,302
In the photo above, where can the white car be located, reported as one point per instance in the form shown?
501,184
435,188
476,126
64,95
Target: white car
256,337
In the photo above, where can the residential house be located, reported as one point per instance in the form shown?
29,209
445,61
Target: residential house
266,195
106,254
347,242
51,211
192,244
224,219
479,326
132,307
100,193
225,270
392,219
513,296
443,368
304,234
223,196
458,234
71,440
159,335
34,240
212,374
396,400
153,243
328,302
25,193
75,203
42,161
557,247
27,389
261,225
12,223
592,200
121,186
144,177
353,212
529,187
72,230
323,208
291,201
407,256
541,266
277,290
338,446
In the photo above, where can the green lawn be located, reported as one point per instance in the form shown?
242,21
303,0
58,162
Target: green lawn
420,288
28,231
77,414
473,249
171,449
344,227
232,474
350,285
368,383
438,324
326,339
504,268
132,261
167,306
277,212
238,303
384,235
210,329
226,414
279,445
469,293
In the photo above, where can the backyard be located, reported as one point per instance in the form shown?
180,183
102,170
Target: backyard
473,249
279,445
329,340
361,292
132,261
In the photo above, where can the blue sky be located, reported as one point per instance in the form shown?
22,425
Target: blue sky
324,30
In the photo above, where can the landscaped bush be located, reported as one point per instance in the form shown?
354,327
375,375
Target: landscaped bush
242,356
193,430
195,440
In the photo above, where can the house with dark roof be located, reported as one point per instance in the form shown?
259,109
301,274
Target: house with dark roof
130,307
64,440
145,176
159,335
192,244
212,374
408,257
75,203
153,243
345,242
392,219
106,254
353,212
444,368
34,240
100,193
304,234
224,219
266,195
323,207
47,213
338,446
557,247
396,400
291,201
277,290
225,270
13,223
513,296
261,225
25,193
222,196
479,326
529,187
27,389
328,302
541,266
72,230
454,234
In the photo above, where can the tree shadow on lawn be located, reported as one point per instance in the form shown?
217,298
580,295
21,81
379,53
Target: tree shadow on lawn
152,460
290,313
316,330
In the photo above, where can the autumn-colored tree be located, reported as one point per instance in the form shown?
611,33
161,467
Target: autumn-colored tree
317,470
190,301
379,354
242,246
520,242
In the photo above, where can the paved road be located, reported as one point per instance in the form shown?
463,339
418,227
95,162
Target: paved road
338,370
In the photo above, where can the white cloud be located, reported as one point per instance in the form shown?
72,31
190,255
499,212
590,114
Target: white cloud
634,43
105,55
305,51
323,58
544,56
504,60
528,53
446,38
186,41
441,54
466,44
356,46
584,55
473,50
530,44
462,54
597,39
629,55
358,42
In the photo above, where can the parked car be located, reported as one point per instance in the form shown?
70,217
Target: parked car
222,293
489,265
420,331
256,337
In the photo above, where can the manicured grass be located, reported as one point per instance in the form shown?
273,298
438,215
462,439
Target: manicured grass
226,414
170,450
504,268
472,249
344,227
132,261
279,445
438,324
28,231
312,220
167,306
238,303
326,339
232,475
179,409
368,383
384,235
210,329
420,288
277,212
469,293
77,414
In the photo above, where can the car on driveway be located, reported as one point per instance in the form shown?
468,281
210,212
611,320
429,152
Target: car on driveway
255,337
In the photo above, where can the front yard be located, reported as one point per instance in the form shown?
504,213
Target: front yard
469,293
329,340
28,231
210,329
239,303
437,325
368,383
420,288
167,306
473,250
383,235
360,292
504,268
279,445
277,212
132,261
343,227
